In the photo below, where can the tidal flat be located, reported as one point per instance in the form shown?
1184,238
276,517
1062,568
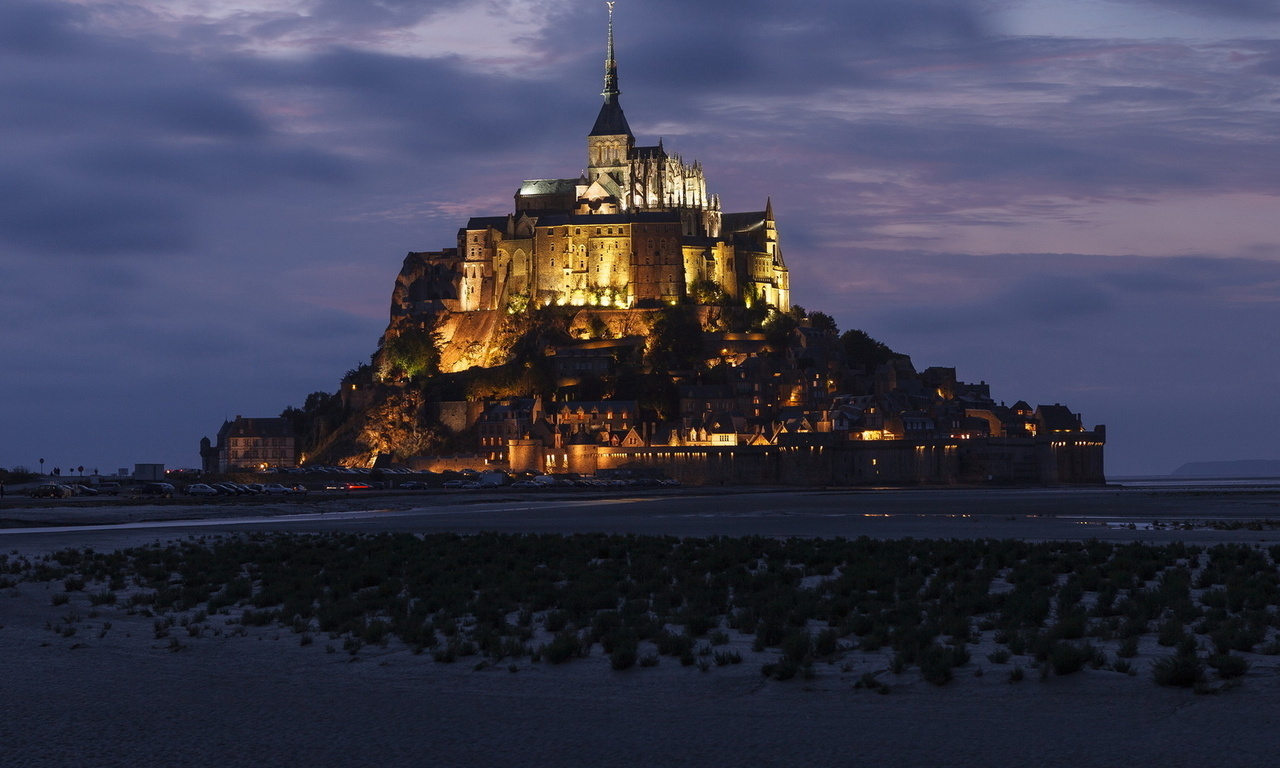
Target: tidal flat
329,640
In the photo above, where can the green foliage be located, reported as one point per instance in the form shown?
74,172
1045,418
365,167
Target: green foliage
821,321
778,327
413,352
675,340
862,350
708,293
490,594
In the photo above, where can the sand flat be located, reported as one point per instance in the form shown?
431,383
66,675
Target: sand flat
126,699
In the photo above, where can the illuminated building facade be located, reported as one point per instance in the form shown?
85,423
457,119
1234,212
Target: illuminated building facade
637,229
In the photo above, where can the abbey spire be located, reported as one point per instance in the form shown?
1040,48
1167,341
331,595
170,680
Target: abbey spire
611,121
610,64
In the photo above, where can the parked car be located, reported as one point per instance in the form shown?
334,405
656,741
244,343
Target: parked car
83,490
275,489
51,491
200,489
109,489
297,489
159,490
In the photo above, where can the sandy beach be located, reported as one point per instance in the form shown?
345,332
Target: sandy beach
111,693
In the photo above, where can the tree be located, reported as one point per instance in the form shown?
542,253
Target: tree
676,341
708,292
779,327
821,321
413,352
862,350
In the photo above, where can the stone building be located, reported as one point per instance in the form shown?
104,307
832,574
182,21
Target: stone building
250,444
637,229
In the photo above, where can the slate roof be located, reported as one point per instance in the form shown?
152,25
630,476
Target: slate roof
242,427
1057,418
548,186
742,222
611,121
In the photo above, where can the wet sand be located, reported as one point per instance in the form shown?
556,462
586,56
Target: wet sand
126,699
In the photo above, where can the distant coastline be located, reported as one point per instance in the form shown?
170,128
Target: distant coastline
1236,469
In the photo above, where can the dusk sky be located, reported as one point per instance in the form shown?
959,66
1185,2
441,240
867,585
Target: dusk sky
204,203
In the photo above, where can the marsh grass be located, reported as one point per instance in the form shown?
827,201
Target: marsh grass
802,600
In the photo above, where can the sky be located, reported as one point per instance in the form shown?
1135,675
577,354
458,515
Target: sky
204,203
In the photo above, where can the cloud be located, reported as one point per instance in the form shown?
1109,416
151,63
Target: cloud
1237,9
121,143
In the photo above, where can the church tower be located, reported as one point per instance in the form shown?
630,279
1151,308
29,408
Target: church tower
610,143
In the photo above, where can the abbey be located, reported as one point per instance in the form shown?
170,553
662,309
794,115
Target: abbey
637,229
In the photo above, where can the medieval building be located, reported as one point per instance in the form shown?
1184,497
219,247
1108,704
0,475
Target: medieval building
637,229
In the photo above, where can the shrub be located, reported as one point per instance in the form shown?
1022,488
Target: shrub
563,647
1229,665
797,646
1171,633
727,657
1067,659
60,598
623,656
936,663
1178,671
1016,675
781,670
999,656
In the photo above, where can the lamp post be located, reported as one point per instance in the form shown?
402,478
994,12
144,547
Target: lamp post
42,467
